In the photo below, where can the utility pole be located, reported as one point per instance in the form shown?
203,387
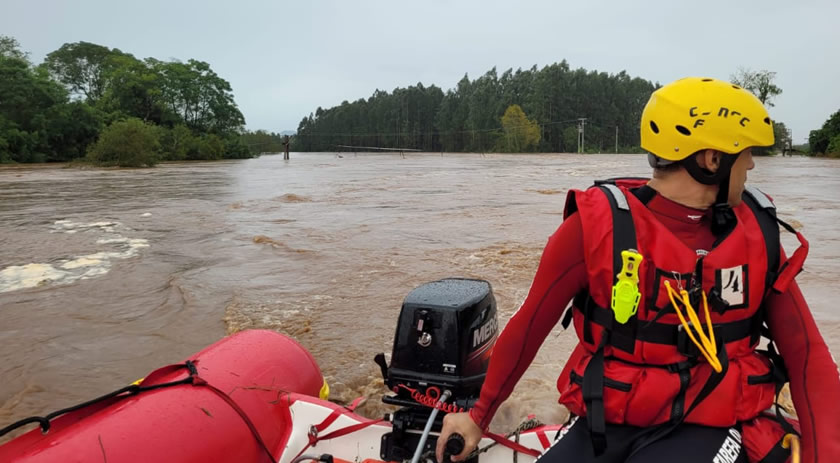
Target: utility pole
581,134
549,120
788,144
616,139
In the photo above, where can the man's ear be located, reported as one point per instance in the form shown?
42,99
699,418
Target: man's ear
709,160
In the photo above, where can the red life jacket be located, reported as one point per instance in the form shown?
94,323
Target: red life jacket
646,371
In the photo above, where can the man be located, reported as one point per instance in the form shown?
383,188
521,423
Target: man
670,297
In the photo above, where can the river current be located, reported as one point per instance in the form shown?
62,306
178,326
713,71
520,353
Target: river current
108,274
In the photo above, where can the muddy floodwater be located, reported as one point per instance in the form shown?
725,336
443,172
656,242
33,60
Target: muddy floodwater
108,274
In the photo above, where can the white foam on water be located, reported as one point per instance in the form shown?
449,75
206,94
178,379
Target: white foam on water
28,276
79,267
146,214
81,262
95,272
66,225
120,240
100,224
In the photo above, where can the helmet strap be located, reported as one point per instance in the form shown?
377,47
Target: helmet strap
657,163
703,175
723,218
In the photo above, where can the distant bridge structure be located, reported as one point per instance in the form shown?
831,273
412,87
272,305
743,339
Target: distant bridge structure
402,151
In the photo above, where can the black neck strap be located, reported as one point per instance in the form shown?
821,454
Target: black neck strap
722,216
707,177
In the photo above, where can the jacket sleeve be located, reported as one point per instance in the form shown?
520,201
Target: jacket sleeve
561,274
814,379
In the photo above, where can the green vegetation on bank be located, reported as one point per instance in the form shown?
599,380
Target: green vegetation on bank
87,101
84,97
261,141
128,143
547,104
469,117
826,140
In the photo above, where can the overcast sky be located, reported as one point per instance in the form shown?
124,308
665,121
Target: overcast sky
284,59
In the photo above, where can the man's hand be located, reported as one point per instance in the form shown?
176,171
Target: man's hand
462,424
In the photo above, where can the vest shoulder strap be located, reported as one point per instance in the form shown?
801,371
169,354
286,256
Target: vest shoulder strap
623,336
765,213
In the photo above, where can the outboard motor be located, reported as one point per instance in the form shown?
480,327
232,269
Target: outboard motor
444,337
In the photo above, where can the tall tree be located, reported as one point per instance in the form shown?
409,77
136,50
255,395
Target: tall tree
136,90
198,96
759,83
28,104
10,48
82,67
520,133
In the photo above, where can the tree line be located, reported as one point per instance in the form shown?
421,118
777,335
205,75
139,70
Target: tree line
469,116
102,104
88,101
535,110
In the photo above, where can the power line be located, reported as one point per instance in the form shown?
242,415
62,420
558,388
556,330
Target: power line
447,132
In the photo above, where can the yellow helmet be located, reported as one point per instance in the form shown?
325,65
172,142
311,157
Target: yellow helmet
696,113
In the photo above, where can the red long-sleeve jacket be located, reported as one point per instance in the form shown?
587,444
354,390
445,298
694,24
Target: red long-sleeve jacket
815,383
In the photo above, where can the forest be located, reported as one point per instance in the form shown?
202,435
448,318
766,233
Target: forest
545,110
88,101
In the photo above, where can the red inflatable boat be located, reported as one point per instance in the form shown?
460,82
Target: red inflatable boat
253,388
201,419
259,396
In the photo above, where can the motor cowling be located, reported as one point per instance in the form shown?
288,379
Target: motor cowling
446,331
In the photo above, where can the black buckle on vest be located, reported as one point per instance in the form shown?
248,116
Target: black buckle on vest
685,365
695,293
718,303
685,345
683,369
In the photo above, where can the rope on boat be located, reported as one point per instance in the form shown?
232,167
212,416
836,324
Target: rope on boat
526,425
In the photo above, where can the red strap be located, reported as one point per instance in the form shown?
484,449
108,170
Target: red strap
793,265
355,403
314,439
327,421
348,430
512,445
543,439
540,433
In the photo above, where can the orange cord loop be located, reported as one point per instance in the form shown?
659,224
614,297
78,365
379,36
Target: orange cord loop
791,441
430,399
706,343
